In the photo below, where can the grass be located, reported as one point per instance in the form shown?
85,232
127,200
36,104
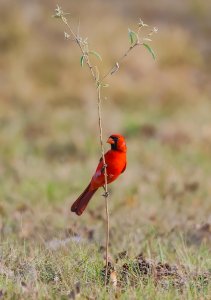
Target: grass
49,148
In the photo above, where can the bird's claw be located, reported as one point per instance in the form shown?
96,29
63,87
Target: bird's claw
106,194
103,168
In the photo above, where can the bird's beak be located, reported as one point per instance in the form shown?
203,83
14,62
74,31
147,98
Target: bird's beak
110,141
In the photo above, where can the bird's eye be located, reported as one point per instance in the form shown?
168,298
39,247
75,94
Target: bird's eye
114,138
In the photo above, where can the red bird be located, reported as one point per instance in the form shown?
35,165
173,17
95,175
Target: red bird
115,165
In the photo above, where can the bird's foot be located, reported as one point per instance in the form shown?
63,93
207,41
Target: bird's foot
103,168
106,194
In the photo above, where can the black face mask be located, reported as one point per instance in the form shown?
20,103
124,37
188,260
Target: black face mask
115,139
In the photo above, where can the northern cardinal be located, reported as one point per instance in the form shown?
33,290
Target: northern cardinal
116,162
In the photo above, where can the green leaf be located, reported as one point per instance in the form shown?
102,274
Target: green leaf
133,36
149,49
82,60
56,16
105,85
96,54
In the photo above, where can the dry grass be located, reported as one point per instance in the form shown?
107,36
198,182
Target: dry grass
49,148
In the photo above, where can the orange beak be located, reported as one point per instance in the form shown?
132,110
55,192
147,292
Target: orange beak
110,141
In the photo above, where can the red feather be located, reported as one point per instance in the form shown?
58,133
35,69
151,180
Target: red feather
116,164
81,203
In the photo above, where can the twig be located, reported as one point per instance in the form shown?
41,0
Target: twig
85,54
107,236
117,64
106,194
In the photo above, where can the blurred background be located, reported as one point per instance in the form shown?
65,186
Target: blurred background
48,120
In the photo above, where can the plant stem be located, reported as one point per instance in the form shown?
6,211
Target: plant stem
120,60
106,180
98,87
107,237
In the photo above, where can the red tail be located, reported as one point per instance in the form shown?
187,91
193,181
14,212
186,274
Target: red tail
81,203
